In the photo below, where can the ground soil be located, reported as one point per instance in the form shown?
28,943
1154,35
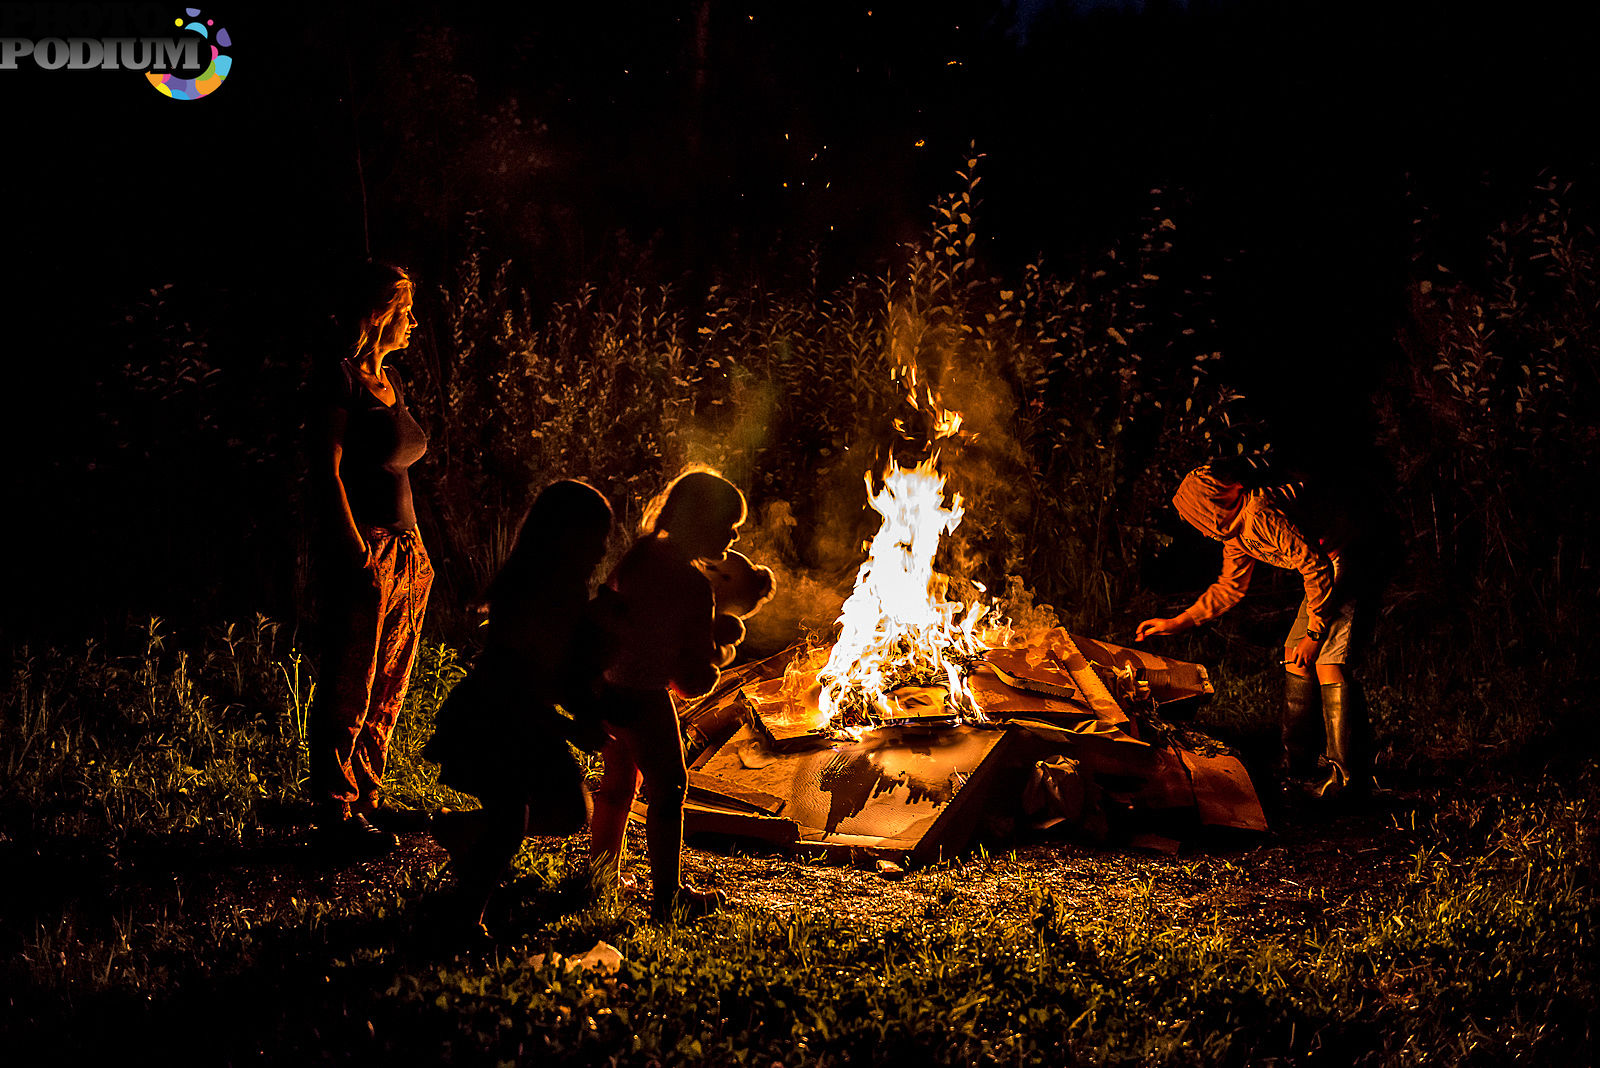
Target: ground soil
1317,868
1313,867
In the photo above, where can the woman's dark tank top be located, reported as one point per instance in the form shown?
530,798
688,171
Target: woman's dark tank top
380,443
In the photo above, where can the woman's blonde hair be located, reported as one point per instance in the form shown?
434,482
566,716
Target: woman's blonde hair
384,288
697,489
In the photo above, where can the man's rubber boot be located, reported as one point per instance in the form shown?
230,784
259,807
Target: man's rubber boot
1344,716
1301,728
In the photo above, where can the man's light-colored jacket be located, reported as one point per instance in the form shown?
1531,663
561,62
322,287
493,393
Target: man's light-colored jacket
1252,527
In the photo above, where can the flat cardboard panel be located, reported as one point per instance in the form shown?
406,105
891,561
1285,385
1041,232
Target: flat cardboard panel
701,818
889,788
922,791
739,795
1223,792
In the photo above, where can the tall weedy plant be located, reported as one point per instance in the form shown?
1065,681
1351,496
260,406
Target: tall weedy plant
1084,395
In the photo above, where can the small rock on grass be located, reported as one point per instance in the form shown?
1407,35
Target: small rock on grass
888,869
604,958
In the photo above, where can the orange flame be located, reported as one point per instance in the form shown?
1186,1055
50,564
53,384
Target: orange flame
898,628
901,639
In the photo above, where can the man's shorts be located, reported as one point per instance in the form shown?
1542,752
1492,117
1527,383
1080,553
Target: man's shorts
1340,643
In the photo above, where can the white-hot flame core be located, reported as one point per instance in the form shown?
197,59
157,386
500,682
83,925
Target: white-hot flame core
897,621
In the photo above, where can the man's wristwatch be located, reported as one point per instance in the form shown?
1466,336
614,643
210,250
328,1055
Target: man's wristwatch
1314,635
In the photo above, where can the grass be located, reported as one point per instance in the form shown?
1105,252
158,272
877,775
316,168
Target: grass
158,740
157,890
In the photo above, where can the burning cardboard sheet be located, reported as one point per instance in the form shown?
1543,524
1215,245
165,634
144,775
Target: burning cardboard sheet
925,709
773,768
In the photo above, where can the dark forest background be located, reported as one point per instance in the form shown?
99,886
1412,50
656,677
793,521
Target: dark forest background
1357,236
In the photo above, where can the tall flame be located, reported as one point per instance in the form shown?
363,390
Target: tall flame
901,639
898,628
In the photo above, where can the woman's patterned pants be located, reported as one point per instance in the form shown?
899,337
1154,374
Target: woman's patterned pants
371,622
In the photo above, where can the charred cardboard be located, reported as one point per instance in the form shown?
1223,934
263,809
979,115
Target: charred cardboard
765,767
895,791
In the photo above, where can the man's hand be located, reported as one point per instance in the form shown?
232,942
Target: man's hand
1304,653
1151,627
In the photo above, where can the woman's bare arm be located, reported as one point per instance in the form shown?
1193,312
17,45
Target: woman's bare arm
337,421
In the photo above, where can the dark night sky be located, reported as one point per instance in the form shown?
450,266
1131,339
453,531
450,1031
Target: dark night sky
1281,124
1296,130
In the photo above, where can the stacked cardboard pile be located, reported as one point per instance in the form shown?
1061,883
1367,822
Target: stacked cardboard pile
1064,745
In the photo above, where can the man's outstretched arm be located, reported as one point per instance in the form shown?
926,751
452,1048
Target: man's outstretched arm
1220,596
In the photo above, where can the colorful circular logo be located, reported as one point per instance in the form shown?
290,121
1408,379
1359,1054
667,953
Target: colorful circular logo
208,80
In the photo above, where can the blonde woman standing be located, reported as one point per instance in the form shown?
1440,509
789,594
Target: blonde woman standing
374,573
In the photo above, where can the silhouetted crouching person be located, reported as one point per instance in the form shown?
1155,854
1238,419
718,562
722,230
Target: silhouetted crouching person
666,642
373,572
1283,527
502,733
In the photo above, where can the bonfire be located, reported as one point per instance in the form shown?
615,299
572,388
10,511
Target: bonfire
904,648
810,746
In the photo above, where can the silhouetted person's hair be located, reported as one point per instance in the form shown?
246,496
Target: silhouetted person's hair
700,496
566,528
1253,471
375,296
